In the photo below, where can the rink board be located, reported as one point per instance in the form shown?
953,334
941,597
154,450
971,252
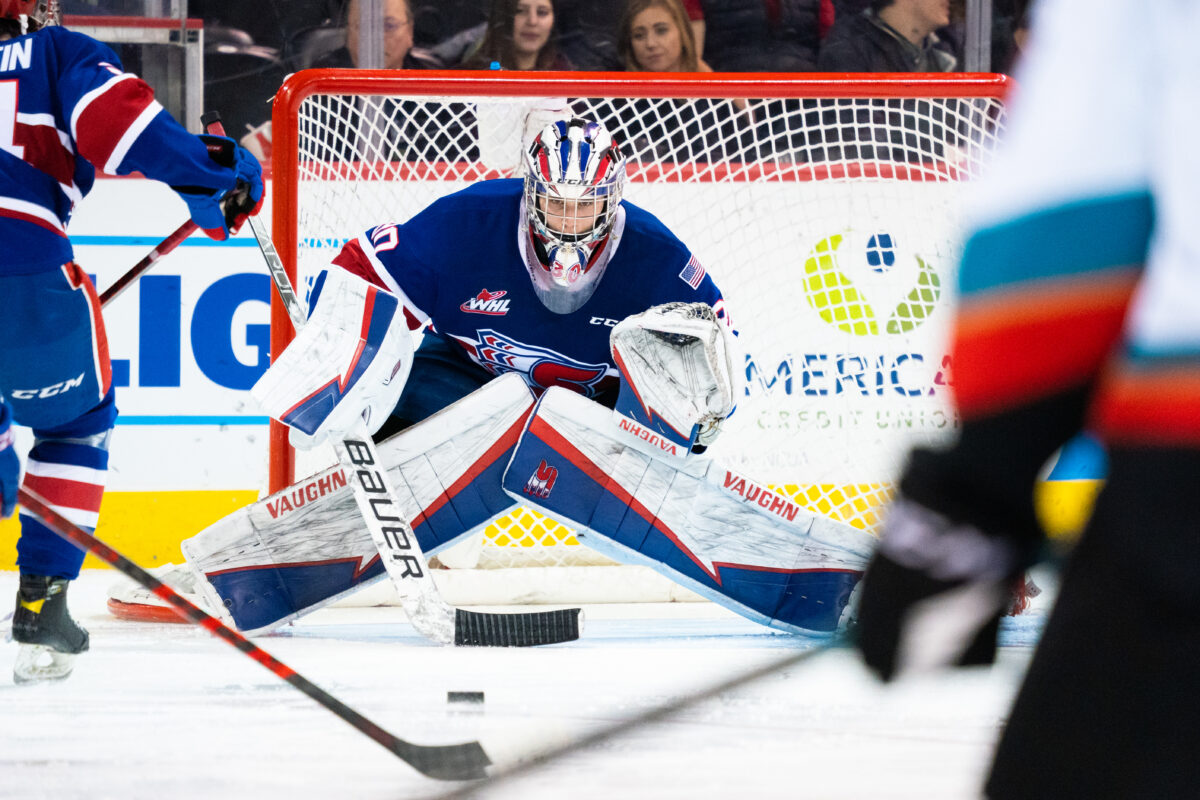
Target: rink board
191,337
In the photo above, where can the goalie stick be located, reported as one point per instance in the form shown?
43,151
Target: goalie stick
393,536
454,762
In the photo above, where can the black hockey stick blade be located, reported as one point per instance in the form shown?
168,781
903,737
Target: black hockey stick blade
454,762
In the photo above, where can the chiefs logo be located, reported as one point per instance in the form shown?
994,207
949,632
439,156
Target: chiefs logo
540,366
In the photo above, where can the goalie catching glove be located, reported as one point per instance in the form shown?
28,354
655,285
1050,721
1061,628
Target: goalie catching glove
348,364
677,376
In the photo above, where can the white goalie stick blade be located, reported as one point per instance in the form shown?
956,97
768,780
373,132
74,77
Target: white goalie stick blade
393,536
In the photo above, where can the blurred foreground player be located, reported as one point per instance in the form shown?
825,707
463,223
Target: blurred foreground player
71,110
1080,307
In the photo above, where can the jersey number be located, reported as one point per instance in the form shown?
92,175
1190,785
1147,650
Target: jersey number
8,119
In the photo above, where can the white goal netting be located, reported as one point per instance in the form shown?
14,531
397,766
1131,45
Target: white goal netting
827,211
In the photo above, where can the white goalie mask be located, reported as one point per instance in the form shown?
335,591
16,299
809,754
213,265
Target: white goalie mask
575,174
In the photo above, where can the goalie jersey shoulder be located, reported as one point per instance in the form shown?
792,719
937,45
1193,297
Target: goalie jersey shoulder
444,265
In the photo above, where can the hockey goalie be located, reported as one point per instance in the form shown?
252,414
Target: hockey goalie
626,480
517,393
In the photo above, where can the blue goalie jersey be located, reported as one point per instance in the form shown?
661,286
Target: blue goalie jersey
462,265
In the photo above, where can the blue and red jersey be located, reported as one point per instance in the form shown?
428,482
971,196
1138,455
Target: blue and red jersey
462,265
68,109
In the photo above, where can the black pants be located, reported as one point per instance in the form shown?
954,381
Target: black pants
1110,707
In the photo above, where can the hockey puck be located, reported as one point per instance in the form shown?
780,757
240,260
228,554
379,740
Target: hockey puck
464,697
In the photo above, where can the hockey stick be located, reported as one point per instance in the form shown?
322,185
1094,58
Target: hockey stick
161,249
650,716
393,536
456,762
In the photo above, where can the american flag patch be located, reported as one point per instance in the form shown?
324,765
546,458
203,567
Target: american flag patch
692,273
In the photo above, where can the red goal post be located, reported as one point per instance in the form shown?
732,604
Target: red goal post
826,206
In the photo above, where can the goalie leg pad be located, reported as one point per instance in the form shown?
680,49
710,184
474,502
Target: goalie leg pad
709,529
306,546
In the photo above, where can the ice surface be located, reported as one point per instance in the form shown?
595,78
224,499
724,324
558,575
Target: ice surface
168,711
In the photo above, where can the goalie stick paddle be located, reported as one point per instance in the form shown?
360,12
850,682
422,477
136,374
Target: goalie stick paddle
393,536
453,762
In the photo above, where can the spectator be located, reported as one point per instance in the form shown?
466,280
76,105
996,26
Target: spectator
759,35
1009,32
520,35
890,36
398,52
655,36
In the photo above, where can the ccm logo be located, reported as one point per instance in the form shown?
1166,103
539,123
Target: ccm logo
608,323
48,391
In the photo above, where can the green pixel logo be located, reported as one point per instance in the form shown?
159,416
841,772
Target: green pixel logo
839,302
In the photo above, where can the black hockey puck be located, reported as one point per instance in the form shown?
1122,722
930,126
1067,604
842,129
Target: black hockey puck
464,697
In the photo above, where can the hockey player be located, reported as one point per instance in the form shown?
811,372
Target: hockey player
501,273
569,294
1080,305
71,111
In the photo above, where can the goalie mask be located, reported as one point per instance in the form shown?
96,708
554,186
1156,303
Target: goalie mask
575,173
32,14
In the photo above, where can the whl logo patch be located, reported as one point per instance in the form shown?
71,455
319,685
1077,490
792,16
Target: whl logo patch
541,482
847,304
489,303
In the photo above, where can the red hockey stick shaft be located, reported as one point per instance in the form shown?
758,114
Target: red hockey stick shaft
161,249
465,761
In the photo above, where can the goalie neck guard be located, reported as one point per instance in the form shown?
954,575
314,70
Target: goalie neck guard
575,174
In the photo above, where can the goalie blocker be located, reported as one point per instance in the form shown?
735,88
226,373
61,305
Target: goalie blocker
634,492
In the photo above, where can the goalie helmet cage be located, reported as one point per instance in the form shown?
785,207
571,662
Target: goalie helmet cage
826,207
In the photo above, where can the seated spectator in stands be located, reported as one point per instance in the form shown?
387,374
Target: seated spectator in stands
520,35
890,36
759,35
1009,32
398,53
654,36
398,50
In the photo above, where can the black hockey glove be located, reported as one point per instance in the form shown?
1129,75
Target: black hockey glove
933,593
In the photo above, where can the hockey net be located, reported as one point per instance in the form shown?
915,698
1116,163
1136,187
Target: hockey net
827,208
